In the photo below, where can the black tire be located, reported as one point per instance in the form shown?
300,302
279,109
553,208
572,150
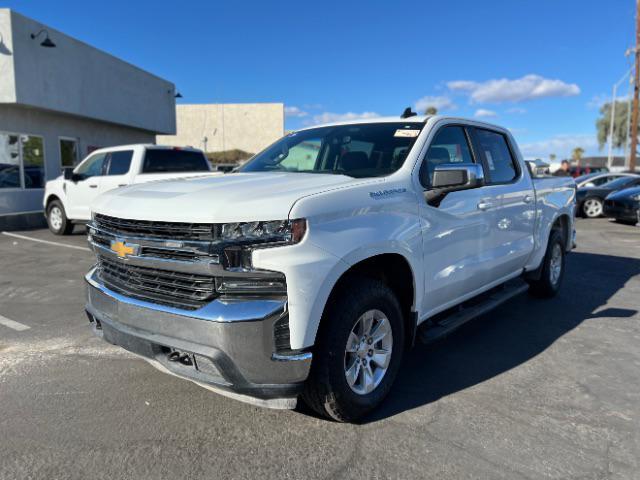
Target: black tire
64,225
548,285
625,221
588,210
326,390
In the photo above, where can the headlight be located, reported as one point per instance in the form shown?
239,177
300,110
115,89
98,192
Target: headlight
275,231
243,238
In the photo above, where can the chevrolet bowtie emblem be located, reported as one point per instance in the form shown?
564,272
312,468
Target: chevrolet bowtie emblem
122,249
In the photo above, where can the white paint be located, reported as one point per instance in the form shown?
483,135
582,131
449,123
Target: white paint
57,244
13,324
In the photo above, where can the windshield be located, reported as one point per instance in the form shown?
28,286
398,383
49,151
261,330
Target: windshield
620,182
361,150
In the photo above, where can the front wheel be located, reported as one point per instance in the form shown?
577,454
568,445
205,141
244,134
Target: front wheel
592,207
359,350
548,284
57,219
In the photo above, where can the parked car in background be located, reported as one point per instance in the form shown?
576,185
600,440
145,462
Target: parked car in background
590,200
598,179
309,269
623,206
586,170
67,199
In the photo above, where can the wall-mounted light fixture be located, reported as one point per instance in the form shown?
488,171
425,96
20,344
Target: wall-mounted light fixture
47,43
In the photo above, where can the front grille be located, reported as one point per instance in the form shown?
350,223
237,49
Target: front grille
153,229
175,289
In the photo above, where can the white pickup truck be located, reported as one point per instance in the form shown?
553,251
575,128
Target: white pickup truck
67,199
310,271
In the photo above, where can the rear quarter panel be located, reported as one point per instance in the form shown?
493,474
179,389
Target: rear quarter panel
555,196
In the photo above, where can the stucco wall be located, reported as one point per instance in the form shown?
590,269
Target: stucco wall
7,79
51,126
78,79
245,126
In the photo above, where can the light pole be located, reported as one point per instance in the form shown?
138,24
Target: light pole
613,114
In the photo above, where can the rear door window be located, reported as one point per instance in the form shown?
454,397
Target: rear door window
163,161
501,165
119,162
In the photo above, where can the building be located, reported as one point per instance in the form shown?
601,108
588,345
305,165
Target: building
221,127
59,100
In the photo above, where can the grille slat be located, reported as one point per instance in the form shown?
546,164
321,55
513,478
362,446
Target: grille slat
181,290
153,229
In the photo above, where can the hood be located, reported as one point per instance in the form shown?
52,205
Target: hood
626,193
237,197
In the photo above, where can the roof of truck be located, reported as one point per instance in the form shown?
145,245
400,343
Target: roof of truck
398,119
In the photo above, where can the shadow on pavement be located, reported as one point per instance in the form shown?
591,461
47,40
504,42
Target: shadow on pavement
510,335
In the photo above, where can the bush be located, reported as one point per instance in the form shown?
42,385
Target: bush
228,156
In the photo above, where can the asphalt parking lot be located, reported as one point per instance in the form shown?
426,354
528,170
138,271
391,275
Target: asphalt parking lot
535,389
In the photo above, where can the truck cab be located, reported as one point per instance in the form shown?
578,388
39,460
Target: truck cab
68,198
309,271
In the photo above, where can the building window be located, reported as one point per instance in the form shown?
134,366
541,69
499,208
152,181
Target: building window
68,152
32,161
9,161
21,161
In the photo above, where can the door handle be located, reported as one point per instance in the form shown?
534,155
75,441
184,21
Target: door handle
93,186
122,185
527,199
485,205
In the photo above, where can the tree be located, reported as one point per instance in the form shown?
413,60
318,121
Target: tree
431,111
552,156
620,129
577,153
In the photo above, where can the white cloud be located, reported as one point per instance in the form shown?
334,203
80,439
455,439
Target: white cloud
294,112
561,145
440,102
500,90
330,117
483,112
517,110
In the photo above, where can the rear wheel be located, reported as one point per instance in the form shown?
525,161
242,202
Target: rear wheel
548,284
358,353
592,207
57,219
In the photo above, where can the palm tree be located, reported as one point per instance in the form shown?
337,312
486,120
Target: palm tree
576,155
431,111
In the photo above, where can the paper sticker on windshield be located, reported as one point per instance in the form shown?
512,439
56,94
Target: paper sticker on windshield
406,133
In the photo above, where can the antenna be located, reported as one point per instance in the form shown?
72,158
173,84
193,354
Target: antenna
408,113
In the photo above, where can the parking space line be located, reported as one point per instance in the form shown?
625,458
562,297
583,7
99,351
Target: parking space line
12,324
23,237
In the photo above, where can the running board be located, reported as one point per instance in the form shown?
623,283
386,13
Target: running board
429,332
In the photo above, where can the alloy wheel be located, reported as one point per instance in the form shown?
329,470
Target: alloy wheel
368,352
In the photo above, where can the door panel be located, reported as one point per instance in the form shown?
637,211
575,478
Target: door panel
513,221
81,193
456,237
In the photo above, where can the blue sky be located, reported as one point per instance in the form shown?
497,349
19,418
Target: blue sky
540,68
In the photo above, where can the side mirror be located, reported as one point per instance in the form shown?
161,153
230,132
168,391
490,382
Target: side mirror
73,177
451,177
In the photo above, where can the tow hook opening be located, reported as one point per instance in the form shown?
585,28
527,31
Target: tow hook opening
184,358
94,320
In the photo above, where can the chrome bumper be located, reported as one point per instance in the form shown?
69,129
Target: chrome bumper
231,342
